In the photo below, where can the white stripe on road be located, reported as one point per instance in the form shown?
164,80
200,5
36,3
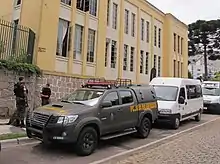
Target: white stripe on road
152,143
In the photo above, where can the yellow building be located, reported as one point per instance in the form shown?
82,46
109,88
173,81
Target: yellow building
115,38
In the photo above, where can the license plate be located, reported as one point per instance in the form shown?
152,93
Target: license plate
205,108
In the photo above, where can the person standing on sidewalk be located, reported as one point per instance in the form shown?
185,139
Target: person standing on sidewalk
45,95
21,93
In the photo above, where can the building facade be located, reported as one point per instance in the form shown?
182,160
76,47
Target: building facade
103,38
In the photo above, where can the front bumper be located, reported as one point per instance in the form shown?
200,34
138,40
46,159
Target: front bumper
166,117
53,133
211,106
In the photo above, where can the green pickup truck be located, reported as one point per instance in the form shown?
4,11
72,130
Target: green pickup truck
100,110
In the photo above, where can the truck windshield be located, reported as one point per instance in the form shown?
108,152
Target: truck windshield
87,97
166,93
211,91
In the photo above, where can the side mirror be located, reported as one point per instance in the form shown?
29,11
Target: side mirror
106,104
181,100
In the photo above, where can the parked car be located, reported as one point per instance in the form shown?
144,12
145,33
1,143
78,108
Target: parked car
101,110
211,95
178,99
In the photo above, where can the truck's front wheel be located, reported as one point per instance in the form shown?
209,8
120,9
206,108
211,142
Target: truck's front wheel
144,129
87,141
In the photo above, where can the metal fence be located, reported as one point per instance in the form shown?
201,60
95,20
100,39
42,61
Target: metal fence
16,42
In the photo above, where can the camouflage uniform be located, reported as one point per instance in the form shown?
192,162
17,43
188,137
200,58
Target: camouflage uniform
21,104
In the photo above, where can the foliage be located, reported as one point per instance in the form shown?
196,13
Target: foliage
21,57
12,136
190,75
217,76
20,67
205,34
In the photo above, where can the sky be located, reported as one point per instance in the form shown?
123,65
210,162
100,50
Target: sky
189,11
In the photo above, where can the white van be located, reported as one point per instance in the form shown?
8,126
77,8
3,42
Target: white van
211,95
178,99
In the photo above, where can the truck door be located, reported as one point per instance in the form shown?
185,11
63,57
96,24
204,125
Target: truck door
128,118
183,110
109,116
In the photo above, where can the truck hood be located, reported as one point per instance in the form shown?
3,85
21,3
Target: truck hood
211,99
165,105
62,108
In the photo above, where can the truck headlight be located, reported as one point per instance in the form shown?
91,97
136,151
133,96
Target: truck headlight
67,119
165,111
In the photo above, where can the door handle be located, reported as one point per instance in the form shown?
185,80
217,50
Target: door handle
185,103
119,110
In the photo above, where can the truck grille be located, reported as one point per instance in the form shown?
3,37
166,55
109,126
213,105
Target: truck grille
39,119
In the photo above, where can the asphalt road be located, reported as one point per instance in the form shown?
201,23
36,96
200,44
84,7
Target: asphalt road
37,154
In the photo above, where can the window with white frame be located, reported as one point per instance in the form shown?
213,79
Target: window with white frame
17,2
174,68
67,2
93,7
108,12
155,35
133,21
125,61
174,42
155,61
181,69
142,29
181,45
62,38
107,43
80,4
91,46
78,42
113,54
178,44
146,62
178,69
126,21
147,31
159,37
115,16
132,59
159,66
142,62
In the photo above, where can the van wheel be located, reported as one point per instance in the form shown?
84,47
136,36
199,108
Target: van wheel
198,117
144,129
87,141
176,123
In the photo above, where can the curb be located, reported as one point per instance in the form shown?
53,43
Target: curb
15,142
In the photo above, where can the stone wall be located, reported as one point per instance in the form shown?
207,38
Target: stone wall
60,86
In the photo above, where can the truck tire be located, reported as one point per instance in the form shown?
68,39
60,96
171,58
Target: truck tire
176,123
144,129
198,117
87,141
28,133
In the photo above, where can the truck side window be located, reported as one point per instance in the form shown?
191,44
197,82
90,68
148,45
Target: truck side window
113,97
182,93
126,97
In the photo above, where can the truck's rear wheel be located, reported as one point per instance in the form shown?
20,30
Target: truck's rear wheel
198,117
144,129
87,141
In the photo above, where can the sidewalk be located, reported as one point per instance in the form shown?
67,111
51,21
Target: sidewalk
9,130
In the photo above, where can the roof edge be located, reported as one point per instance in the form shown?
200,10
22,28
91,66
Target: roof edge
185,25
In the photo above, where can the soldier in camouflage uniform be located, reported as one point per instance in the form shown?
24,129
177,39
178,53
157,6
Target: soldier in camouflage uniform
21,92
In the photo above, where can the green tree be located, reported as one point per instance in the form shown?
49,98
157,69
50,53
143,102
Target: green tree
201,33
